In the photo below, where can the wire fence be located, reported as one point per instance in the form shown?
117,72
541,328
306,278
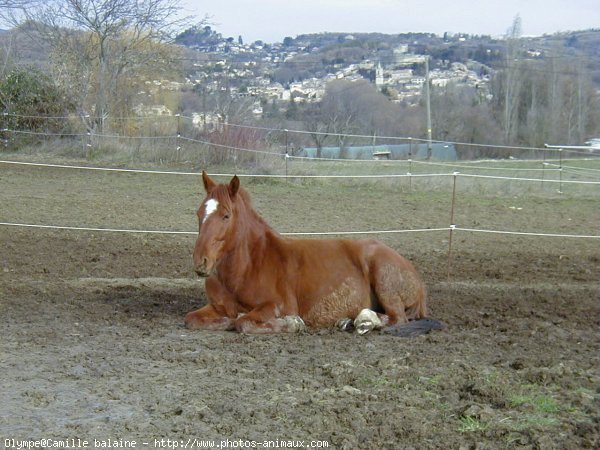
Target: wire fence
170,132
451,227
545,171
301,176
308,233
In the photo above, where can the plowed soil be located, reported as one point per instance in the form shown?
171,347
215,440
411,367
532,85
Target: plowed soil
93,346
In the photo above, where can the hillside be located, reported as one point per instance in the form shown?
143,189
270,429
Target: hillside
21,48
315,55
344,48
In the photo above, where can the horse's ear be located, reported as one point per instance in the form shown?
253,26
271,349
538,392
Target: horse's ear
209,184
234,186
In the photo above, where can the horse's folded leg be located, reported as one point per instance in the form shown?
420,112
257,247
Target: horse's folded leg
287,324
207,318
414,328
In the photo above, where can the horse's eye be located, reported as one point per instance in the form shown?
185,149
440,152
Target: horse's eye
226,217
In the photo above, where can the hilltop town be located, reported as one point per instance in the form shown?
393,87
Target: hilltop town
298,70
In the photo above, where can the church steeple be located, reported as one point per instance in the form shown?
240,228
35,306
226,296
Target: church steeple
379,75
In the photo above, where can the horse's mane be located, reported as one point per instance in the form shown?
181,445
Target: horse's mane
244,197
221,193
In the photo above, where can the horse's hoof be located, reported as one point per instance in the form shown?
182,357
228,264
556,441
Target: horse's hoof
190,321
345,325
294,323
366,321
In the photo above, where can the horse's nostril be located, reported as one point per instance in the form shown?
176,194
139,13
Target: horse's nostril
202,267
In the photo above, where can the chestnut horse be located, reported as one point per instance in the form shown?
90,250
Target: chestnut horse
258,281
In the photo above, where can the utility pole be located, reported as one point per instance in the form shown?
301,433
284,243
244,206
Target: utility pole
428,101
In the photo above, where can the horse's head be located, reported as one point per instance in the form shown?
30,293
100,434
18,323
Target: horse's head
216,231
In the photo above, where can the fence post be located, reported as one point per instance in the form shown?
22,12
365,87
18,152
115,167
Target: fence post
409,164
177,137
544,165
88,145
560,150
287,152
452,225
5,130
85,141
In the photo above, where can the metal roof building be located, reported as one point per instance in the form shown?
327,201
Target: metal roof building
439,152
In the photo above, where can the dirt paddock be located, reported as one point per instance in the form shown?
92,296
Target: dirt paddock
93,345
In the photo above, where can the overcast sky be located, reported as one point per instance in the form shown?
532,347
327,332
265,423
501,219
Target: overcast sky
272,20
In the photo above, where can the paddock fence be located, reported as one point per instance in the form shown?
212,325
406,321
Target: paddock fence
265,153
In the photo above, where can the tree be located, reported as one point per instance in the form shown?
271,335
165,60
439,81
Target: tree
199,35
460,115
356,107
109,38
5,55
318,129
557,102
348,107
569,109
512,81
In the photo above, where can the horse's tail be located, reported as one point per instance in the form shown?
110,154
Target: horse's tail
414,328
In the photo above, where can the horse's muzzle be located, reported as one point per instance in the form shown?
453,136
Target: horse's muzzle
204,268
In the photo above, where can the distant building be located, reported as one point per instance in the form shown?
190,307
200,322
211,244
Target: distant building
594,143
151,110
439,152
379,75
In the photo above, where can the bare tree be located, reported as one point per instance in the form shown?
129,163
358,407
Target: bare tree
318,129
512,81
104,39
558,101
460,115
10,9
5,54
355,107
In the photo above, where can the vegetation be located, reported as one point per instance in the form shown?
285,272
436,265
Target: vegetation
116,59
27,94
101,50
469,424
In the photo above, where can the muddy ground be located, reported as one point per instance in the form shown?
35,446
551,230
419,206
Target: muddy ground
93,346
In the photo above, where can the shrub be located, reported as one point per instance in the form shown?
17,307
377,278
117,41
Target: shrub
31,102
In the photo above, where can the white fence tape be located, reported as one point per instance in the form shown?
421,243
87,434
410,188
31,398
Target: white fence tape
307,233
280,176
293,233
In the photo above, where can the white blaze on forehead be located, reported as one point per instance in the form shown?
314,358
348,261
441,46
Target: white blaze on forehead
209,207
